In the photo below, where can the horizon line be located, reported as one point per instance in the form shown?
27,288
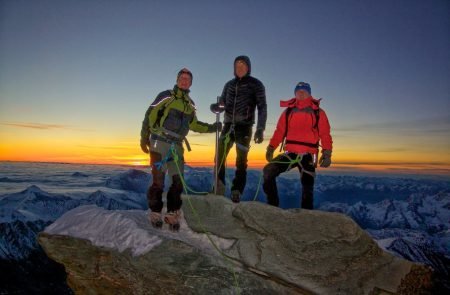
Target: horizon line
209,164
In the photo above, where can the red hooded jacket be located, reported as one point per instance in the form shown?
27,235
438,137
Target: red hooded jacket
300,129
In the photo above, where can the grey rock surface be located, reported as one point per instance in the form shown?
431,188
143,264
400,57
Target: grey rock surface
244,248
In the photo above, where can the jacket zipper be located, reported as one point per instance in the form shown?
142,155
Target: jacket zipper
234,105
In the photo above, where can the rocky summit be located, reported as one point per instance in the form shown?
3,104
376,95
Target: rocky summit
226,248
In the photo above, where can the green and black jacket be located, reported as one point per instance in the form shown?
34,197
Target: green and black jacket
171,116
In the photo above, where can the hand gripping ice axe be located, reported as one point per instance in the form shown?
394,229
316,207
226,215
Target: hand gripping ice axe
216,108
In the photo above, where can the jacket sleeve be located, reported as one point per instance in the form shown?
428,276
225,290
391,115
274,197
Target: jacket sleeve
223,97
324,131
145,129
199,126
278,135
261,105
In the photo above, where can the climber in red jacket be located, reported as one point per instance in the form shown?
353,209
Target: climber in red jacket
300,129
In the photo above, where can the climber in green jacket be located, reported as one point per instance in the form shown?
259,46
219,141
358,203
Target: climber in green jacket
166,124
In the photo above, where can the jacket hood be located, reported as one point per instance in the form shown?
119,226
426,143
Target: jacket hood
245,59
293,102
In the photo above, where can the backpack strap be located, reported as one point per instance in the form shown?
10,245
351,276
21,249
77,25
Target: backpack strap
288,113
313,145
163,109
317,113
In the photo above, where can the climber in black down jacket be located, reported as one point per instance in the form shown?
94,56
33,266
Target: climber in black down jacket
240,98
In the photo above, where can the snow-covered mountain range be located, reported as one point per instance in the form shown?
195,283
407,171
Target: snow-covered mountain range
408,217
416,228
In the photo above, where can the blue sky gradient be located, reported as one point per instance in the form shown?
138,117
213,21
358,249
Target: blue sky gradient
381,67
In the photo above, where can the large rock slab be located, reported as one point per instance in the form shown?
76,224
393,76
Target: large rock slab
226,248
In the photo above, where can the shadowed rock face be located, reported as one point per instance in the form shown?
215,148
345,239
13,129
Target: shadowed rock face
173,267
267,250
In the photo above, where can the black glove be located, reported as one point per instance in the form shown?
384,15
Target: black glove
216,108
325,159
215,126
145,145
269,153
259,135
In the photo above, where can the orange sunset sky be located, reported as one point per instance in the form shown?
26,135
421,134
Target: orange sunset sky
77,77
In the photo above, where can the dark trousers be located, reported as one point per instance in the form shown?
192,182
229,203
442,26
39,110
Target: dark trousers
155,191
281,164
241,136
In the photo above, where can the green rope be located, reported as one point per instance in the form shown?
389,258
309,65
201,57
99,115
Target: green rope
183,181
226,141
226,258
259,185
291,162
186,189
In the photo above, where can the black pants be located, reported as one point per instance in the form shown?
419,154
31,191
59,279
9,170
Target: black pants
241,135
155,191
281,164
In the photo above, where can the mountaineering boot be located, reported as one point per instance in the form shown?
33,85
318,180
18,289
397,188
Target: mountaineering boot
172,219
155,219
235,196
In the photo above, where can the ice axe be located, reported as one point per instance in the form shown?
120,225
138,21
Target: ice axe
216,109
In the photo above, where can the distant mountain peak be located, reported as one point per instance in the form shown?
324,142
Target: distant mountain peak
33,189
79,174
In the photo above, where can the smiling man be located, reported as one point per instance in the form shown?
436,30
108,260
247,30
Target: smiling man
166,124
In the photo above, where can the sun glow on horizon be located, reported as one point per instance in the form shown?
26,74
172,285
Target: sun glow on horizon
57,147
